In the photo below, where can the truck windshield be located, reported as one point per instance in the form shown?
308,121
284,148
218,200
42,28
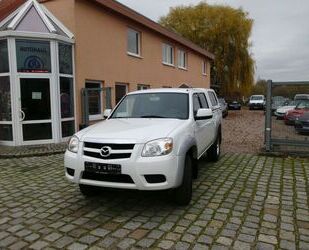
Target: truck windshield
154,105
257,97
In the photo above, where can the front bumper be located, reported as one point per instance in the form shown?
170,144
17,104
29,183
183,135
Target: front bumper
279,115
256,105
136,167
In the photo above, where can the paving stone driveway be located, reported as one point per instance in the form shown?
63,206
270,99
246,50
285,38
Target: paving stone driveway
243,201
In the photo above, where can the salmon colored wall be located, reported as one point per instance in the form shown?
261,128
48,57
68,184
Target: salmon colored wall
63,10
101,51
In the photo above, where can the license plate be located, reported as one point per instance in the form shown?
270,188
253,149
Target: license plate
102,168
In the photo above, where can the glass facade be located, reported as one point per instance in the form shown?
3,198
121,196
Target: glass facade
5,99
66,97
36,78
33,56
39,131
68,128
6,133
4,57
65,59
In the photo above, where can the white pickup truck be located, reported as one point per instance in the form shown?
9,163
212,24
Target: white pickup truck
152,140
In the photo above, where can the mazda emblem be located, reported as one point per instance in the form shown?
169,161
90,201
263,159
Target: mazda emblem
105,151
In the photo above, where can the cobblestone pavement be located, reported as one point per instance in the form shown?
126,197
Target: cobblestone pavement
243,201
243,131
35,150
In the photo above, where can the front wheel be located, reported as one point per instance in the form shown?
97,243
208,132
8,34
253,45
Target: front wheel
215,150
183,194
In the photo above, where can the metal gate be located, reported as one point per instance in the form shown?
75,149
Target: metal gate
106,100
287,116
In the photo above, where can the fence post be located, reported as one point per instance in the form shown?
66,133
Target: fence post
268,116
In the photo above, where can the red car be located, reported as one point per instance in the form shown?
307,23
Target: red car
300,109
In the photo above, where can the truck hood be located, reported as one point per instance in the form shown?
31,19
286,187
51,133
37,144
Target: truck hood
129,130
256,101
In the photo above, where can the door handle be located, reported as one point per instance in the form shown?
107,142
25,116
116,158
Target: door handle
23,115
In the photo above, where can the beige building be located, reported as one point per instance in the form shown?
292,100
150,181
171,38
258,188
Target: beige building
53,52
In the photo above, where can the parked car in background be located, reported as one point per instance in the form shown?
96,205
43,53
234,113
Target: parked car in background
257,102
224,107
278,101
234,105
301,97
299,110
302,123
281,111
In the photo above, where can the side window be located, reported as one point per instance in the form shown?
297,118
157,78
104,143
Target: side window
213,99
203,100
196,104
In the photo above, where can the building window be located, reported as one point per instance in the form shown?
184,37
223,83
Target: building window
134,41
65,59
33,56
182,59
142,87
4,57
168,54
204,68
121,90
94,100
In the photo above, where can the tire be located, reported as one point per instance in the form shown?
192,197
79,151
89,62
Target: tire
88,191
183,194
215,150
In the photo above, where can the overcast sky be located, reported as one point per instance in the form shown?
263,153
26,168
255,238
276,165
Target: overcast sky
280,35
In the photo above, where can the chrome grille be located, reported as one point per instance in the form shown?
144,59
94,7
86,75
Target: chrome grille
117,151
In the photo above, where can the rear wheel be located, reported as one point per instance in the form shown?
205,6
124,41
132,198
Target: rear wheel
215,149
183,194
87,190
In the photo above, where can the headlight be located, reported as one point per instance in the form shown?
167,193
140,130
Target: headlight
158,147
73,144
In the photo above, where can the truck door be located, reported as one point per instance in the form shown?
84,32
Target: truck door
203,128
216,112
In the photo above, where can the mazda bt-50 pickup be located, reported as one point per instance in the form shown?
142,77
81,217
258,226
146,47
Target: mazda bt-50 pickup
152,140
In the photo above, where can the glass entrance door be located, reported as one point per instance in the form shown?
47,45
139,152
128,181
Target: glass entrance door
35,112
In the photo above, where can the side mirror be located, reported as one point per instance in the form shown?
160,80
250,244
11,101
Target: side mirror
204,114
107,113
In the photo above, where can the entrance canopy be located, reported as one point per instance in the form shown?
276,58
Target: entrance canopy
32,17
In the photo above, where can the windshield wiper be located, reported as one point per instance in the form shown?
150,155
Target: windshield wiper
152,116
122,117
